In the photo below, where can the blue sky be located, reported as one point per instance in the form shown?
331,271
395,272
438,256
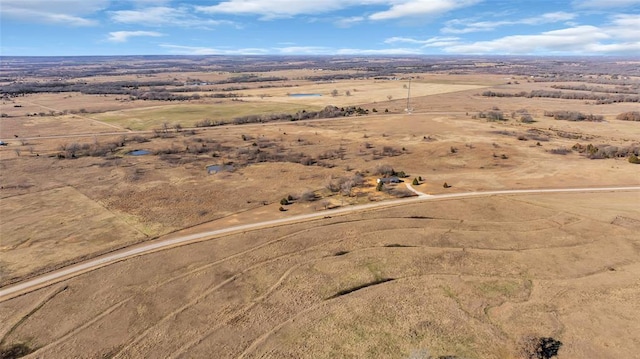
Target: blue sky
322,27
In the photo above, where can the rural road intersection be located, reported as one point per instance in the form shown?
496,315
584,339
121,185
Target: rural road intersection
29,285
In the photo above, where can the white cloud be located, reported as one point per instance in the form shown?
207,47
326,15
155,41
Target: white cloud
124,36
145,3
349,21
465,26
73,7
197,50
291,50
625,27
163,16
604,4
579,40
438,41
415,8
67,12
271,9
621,35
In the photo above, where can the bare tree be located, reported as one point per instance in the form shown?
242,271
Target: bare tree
347,186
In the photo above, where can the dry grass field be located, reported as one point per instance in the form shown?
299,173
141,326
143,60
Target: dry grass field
471,278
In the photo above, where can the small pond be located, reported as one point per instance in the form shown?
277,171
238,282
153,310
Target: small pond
212,169
139,152
305,95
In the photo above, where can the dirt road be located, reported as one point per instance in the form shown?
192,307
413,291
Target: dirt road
27,286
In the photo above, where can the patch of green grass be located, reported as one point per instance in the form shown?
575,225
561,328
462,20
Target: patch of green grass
499,288
188,114
449,292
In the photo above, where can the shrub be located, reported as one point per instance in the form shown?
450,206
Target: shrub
541,348
384,170
526,118
634,159
574,116
308,196
15,351
629,116
560,151
284,201
415,182
495,116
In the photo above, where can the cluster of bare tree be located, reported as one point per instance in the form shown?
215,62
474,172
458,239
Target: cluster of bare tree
327,112
633,90
249,78
606,151
629,116
594,78
493,115
522,115
96,149
599,98
573,116
345,184
89,88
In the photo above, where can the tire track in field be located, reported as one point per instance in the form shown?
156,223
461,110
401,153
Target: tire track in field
32,311
211,290
225,259
86,325
240,312
264,337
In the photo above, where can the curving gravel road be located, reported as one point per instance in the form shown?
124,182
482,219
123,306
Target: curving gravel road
17,289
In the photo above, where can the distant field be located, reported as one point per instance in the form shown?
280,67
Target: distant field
188,115
360,92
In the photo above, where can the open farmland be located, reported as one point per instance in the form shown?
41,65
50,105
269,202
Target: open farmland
471,278
98,163
189,115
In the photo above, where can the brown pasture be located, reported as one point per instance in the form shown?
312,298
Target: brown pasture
470,277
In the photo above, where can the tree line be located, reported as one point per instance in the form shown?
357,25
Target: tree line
599,98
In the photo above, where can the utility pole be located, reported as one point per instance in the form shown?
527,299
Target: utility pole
408,109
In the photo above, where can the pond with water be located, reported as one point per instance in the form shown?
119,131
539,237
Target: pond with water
139,152
217,168
305,95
